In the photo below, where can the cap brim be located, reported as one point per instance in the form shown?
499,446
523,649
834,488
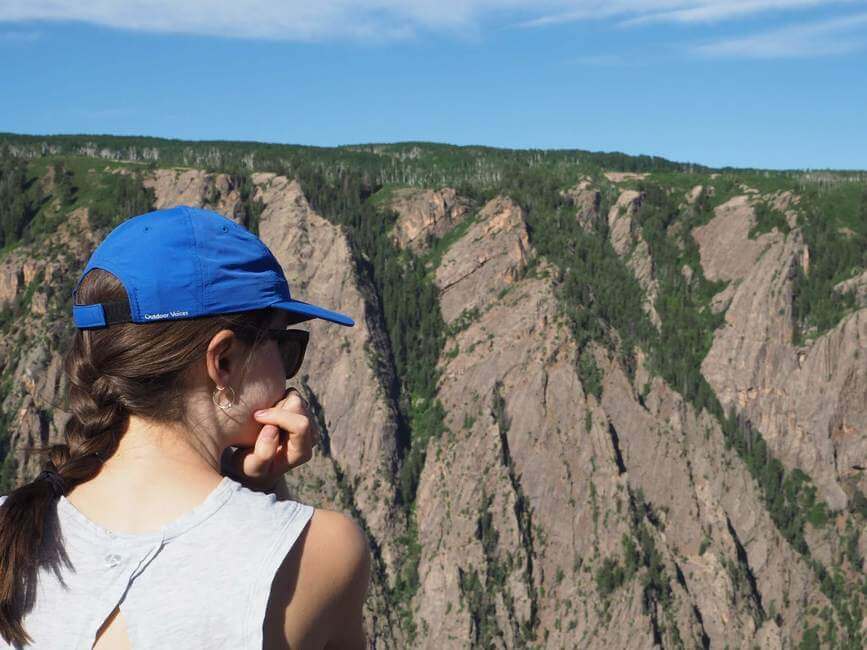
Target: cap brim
306,309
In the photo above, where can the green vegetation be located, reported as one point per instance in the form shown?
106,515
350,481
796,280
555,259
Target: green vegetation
590,375
481,590
398,283
20,199
8,466
462,322
49,188
791,501
609,577
64,189
119,197
379,165
641,559
438,247
767,218
611,574
688,324
810,640
480,595
835,231
251,209
597,293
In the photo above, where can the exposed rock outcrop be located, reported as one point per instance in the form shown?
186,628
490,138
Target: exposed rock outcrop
196,188
518,549
807,402
628,242
357,418
498,244
29,353
693,194
426,215
857,286
587,201
562,507
617,177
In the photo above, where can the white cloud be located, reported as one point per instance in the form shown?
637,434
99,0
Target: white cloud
306,20
821,38
635,12
262,19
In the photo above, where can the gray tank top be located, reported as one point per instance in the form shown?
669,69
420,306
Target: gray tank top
202,581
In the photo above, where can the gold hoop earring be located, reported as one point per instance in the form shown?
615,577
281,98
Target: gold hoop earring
216,396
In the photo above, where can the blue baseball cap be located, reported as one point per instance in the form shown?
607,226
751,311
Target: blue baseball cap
186,262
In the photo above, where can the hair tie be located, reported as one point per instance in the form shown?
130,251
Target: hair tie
56,480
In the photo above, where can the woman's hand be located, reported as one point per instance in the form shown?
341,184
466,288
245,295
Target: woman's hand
285,441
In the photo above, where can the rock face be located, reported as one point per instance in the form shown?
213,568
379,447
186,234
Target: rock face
587,200
360,420
28,353
195,188
807,402
628,242
357,418
11,281
426,214
617,177
517,550
857,286
693,194
784,202
498,242
552,513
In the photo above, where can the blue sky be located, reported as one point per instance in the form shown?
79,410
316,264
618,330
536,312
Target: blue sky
777,84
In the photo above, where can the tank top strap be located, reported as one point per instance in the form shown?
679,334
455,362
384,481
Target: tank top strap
291,518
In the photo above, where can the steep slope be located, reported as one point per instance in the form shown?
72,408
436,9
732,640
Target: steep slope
628,242
425,215
528,504
808,402
567,475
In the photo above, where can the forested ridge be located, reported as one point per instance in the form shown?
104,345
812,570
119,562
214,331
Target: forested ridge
44,178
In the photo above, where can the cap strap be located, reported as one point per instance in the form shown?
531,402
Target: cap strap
116,312
100,314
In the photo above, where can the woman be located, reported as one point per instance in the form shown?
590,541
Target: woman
132,537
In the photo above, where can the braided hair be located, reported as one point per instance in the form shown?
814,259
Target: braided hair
142,369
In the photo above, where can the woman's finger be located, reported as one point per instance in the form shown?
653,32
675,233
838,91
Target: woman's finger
300,429
294,401
299,449
266,445
284,419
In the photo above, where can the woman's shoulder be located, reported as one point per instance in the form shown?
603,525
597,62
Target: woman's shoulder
330,566
336,540
329,546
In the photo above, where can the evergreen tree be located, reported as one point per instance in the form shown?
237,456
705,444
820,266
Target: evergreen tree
63,185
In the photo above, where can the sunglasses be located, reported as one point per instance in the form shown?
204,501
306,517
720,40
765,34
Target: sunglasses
292,345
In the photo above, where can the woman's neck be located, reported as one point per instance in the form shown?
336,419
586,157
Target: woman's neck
153,478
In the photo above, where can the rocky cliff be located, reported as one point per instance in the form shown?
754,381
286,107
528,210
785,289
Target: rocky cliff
574,497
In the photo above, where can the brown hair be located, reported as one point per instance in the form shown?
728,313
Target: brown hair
126,369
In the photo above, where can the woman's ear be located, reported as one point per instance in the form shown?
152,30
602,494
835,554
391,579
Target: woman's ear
218,359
